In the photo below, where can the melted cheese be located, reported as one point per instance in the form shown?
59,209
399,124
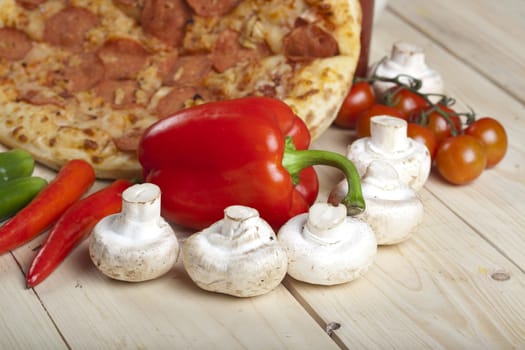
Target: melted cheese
86,126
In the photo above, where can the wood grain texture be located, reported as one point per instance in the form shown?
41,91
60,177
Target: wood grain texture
80,308
436,290
493,204
446,287
459,283
24,323
487,35
93,311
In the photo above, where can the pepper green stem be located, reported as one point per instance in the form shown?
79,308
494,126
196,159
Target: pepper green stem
296,160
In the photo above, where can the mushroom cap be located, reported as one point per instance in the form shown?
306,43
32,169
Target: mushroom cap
393,222
129,259
393,209
238,255
340,256
408,59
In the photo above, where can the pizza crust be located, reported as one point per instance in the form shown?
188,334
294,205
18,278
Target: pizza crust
53,136
314,91
87,127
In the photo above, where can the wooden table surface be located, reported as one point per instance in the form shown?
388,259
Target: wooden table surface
459,283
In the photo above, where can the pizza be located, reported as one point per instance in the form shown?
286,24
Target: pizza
84,78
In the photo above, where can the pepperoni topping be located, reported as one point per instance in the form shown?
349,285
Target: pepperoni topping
175,100
14,44
119,93
228,51
30,4
40,98
165,64
122,58
166,19
81,72
133,3
68,27
128,142
188,70
307,42
207,8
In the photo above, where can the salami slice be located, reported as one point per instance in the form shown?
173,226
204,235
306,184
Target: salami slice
133,3
30,4
81,72
175,100
40,98
207,8
307,42
122,58
67,28
14,44
188,70
128,142
228,51
166,20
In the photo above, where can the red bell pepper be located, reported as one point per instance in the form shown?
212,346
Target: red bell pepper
240,151
71,182
73,226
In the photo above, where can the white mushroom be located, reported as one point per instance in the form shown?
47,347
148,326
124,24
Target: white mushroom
406,59
393,209
327,247
136,244
238,255
389,142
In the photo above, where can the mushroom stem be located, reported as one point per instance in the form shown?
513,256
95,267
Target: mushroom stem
237,217
324,221
408,54
388,134
141,203
389,142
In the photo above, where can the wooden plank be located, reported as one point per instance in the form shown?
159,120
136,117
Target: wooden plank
20,307
443,288
24,323
447,287
92,311
95,312
493,204
436,290
485,34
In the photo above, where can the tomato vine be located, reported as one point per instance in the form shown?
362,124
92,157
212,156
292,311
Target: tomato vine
439,124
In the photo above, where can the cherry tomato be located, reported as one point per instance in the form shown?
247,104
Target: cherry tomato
360,98
440,126
406,101
423,134
492,134
461,159
362,124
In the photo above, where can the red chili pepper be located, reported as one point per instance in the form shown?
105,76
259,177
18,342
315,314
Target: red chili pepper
71,182
73,227
208,157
